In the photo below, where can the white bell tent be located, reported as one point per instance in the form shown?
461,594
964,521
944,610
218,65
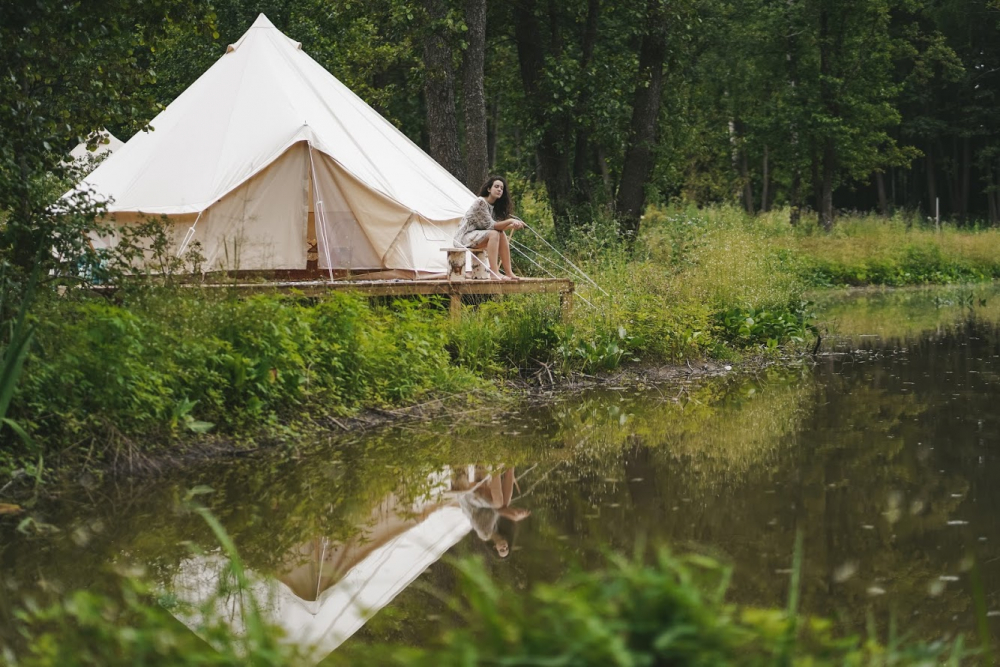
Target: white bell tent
107,144
267,154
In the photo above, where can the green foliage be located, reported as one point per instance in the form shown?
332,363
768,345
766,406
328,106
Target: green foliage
512,335
671,610
871,251
70,70
158,363
16,334
168,361
747,326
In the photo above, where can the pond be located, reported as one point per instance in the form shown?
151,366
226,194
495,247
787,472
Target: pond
882,451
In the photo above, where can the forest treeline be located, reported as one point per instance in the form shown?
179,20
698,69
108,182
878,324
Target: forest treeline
814,105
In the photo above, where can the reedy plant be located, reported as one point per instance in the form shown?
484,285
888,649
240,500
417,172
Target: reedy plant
18,335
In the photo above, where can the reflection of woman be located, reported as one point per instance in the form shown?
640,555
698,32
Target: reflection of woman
488,507
315,566
485,222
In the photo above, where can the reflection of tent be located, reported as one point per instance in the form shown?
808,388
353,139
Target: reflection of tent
107,145
320,608
267,154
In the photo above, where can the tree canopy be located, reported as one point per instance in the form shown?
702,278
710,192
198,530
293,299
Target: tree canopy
817,105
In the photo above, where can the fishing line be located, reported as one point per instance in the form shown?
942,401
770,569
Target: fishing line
564,258
541,479
522,248
579,296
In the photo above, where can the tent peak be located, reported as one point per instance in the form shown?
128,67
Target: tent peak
262,22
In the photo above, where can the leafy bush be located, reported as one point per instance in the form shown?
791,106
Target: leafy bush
500,337
167,361
747,326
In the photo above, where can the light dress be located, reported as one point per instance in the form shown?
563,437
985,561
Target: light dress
476,224
481,513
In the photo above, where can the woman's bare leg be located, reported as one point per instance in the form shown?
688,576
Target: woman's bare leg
492,246
505,255
507,486
496,492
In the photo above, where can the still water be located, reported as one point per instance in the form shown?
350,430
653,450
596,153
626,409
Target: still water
883,451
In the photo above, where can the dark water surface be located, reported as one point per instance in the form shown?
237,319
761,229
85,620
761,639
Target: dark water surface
884,453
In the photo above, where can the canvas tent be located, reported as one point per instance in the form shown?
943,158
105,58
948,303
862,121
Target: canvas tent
108,143
267,156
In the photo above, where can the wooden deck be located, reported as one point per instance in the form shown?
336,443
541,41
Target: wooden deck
456,290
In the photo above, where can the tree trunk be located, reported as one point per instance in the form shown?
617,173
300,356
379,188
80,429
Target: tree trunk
602,165
814,172
747,183
991,205
439,94
741,164
792,61
963,194
795,197
892,184
582,152
931,182
638,163
491,136
993,196
766,182
553,163
474,102
829,157
952,176
826,199
883,202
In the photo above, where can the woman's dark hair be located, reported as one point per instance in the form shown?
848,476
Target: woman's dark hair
507,529
503,208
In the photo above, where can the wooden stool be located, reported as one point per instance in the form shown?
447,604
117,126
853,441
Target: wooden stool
479,265
456,264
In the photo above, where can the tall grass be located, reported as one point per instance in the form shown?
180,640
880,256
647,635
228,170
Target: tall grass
137,625
869,250
734,256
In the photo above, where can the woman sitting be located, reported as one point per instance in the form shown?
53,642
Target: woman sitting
484,224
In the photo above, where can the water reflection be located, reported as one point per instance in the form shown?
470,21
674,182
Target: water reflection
486,503
325,589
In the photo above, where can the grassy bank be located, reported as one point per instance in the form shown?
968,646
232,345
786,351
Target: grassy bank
110,379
